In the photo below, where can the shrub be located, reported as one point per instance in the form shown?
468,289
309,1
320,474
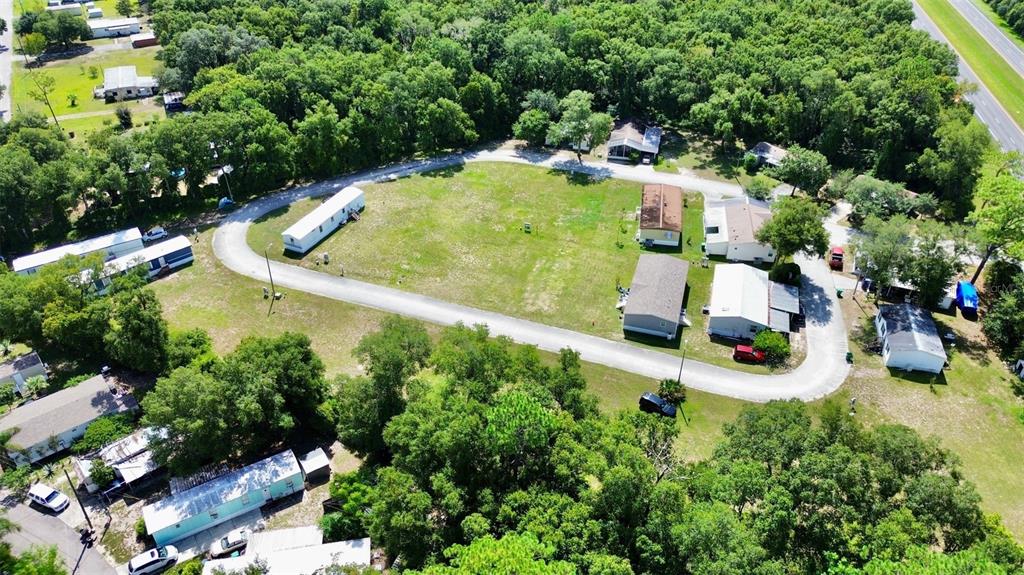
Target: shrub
103,431
78,379
140,528
17,479
355,497
124,117
34,385
788,273
101,474
760,187
750,162
774,345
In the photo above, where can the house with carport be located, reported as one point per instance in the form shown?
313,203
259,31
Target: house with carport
744,302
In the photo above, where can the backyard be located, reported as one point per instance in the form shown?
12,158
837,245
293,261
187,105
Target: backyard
458,235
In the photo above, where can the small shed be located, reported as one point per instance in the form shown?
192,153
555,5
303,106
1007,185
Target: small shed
316,466
143,39
20,369
301,236
910,340
1018,368
218,500
655,304
661,215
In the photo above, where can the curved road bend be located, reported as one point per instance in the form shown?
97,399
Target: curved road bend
986,107
820,374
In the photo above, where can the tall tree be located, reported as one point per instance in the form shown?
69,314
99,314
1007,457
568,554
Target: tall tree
883,249
796,225
999,217
803,169
137,331
936,257
579,125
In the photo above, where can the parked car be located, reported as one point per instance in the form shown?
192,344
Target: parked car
157,233
651,403
835,259
234,541
749,354
48,497
153,561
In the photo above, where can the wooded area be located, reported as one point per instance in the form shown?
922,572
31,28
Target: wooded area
1012,11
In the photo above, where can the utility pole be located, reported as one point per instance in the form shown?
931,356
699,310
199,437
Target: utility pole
273,290
679,380
79,499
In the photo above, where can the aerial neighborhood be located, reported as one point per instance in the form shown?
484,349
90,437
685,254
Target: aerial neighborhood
470,288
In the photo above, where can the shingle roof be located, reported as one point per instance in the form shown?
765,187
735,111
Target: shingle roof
19,364
661,208
910,328
658,286
628,135
63,410
744,220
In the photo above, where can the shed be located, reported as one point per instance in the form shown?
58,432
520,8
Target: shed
744,301
316,466
143,39
769,154
94,12
730,230
301,236
661,215
112,246
20,369
129,457
218,500
910,340
629,138
298,561
174,102
655,304
51,424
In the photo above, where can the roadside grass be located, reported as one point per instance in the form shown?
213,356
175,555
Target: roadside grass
73,77
999,21
970,407
457,235
992,70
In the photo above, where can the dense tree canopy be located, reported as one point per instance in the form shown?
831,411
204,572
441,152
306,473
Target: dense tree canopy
1012,11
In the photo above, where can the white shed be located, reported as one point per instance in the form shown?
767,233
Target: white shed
910,340
327,217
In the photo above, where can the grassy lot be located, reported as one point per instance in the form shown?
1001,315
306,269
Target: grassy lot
998,21
702,157
970,407
74,76
990,67
456,235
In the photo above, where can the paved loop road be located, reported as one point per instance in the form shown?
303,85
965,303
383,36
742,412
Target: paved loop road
821,373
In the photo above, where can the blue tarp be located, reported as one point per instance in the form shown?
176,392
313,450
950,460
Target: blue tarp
966,296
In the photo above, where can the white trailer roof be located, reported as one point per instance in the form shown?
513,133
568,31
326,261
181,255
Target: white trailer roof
299,561
323,212
78,249
739,290
140,257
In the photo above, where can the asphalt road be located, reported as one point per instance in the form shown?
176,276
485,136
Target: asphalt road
986,107
992,33
7,13
38,528
821,373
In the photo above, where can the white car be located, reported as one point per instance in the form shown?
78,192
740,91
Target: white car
234,541
153,561
157,233
48,497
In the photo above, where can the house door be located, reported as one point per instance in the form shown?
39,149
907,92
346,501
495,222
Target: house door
266,494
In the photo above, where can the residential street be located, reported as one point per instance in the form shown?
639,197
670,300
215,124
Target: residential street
987,108
820,374
6,40
38,528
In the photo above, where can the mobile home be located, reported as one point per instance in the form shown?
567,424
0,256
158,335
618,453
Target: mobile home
910,339
158,258
327,217
112,246
228,496
20,369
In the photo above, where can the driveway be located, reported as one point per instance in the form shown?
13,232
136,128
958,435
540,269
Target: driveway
820,374
43,529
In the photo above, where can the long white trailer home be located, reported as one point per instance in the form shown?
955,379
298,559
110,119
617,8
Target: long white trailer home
327,217
158,258
112,245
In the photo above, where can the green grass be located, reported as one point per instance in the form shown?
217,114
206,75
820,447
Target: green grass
695,153
992,70
456,235
73,77
998,21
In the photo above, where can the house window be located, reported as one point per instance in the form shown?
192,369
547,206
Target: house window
214,515
290,483
129,92
245,499
711,230
753,329
321,228
662,324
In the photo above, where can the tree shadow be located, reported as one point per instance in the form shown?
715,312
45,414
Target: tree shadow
816,304
577,174
445,172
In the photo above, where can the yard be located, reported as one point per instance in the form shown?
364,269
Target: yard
458,235
686,152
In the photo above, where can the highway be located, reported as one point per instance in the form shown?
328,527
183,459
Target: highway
6,57
992,33
986,107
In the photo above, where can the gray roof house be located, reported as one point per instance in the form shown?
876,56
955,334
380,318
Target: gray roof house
20,369
910,340
627,138
769,154
655,303
51,424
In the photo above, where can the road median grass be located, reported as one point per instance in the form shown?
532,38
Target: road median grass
1004,83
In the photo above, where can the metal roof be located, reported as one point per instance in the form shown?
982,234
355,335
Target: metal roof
202,498
323,212
81,248
299,561
281,539
739,290
63,410
113,23
769,153
784,297
658,286
910,328
146,254
628,135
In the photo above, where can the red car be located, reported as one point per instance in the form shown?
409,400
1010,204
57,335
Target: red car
747,353
835,259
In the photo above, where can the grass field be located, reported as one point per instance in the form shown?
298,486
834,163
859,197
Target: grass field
456,235
992,70
73,76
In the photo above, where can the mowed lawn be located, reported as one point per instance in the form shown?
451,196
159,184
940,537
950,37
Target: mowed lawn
1004,83
73,77
458,235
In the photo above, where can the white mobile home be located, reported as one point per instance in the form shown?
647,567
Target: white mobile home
327,217
744,301
910,340
51,424
112,246
74,8
730,230
158,258
114,27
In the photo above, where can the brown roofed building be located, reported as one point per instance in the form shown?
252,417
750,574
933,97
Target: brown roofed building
661,215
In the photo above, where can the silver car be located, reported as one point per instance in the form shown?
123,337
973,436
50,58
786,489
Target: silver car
235,540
